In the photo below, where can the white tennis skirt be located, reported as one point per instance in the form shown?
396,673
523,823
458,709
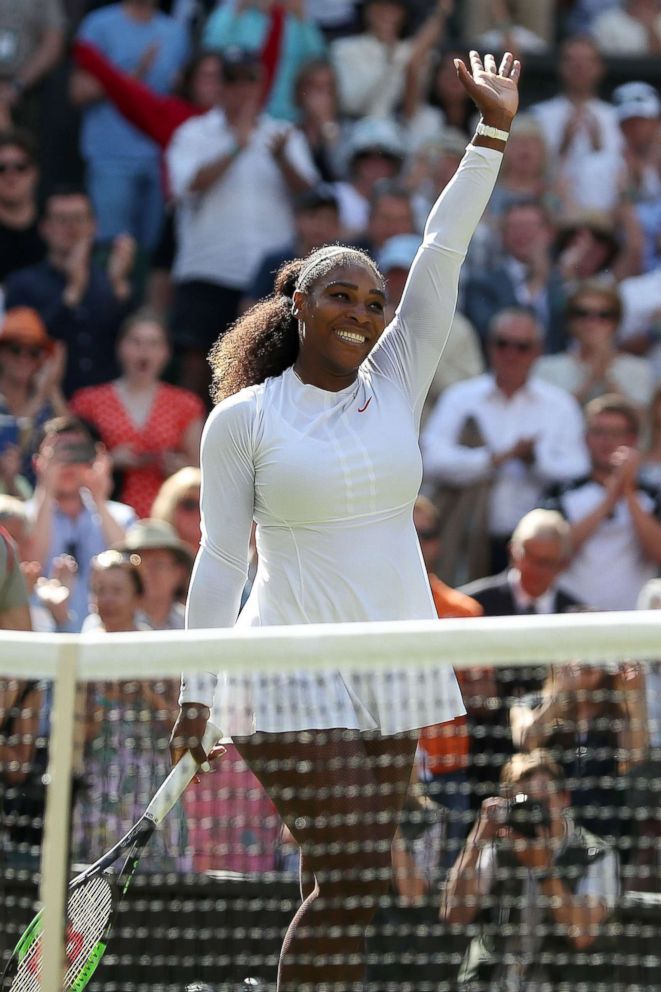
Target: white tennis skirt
389,702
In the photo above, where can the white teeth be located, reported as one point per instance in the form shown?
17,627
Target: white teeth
351,336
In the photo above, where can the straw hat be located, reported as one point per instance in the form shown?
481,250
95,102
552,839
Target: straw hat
23,325
156,535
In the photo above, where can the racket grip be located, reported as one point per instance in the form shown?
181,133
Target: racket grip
180,776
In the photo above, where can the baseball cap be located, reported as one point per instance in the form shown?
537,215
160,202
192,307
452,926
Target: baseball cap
636,100
23,325
399,251
240,63
376,134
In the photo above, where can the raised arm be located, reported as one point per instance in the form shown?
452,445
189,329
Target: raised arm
409,350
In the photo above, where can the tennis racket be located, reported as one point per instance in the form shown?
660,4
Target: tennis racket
95,895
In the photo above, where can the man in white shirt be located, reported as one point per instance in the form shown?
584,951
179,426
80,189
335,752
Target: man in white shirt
529,433
615,522
233,172
581,131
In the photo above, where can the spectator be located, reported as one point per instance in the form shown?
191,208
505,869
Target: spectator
638,110
591,244
640,331
538,552
31,370
315,95
155,114
615,526
444,748
375,153
33,43
371,67
165,563
650,466
509,25
249,25
447,105
317,223
582,717
592,366
149,428
581,130
526,173
123,167
14,609
125,733
20,705
546,890
232,169
634,28
81,303
70,509
521,275
462,356
20,240
178,504
524,433
431,168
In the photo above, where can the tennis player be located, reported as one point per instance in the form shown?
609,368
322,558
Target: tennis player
315,437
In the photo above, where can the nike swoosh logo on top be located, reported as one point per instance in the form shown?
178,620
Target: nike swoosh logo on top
361,409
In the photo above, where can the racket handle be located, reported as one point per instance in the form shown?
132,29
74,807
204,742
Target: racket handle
180,776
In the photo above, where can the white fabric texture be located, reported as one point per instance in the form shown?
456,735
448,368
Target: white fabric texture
330,478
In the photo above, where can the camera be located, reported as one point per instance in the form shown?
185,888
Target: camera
527,815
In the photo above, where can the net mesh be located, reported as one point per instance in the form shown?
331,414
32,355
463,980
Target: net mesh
516,847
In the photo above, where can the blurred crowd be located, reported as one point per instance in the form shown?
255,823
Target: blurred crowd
158,162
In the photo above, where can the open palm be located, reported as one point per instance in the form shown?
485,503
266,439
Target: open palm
494,89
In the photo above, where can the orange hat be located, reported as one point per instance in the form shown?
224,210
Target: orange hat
23,325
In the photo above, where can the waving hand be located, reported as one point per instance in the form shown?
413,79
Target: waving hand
494,90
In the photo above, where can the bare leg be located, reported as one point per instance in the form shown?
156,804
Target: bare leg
340,793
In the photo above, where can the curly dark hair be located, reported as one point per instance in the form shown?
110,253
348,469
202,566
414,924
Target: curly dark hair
263,342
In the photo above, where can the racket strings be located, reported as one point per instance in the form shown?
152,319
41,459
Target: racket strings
88,911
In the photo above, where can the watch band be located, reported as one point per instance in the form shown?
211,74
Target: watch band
491,132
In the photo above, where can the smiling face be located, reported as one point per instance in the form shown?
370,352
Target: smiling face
341,317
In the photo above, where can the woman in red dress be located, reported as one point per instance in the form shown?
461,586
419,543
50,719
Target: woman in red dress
150,428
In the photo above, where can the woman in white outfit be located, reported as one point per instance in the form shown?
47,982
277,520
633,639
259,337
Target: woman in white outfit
315,437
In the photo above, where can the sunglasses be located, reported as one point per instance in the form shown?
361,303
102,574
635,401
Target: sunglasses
523,347
583,313
189,504
18,167
24,349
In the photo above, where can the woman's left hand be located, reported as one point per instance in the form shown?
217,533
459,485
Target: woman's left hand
494,89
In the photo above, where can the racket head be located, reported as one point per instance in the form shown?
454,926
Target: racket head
92,903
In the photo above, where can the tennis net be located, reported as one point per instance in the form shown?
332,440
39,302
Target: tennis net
560,754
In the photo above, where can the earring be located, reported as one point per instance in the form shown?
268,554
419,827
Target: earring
294,310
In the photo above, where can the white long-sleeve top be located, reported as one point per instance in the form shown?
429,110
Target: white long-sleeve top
539,410
330,478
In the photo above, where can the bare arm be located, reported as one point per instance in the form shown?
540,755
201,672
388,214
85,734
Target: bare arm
463,894
208,175
46,56
84,89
